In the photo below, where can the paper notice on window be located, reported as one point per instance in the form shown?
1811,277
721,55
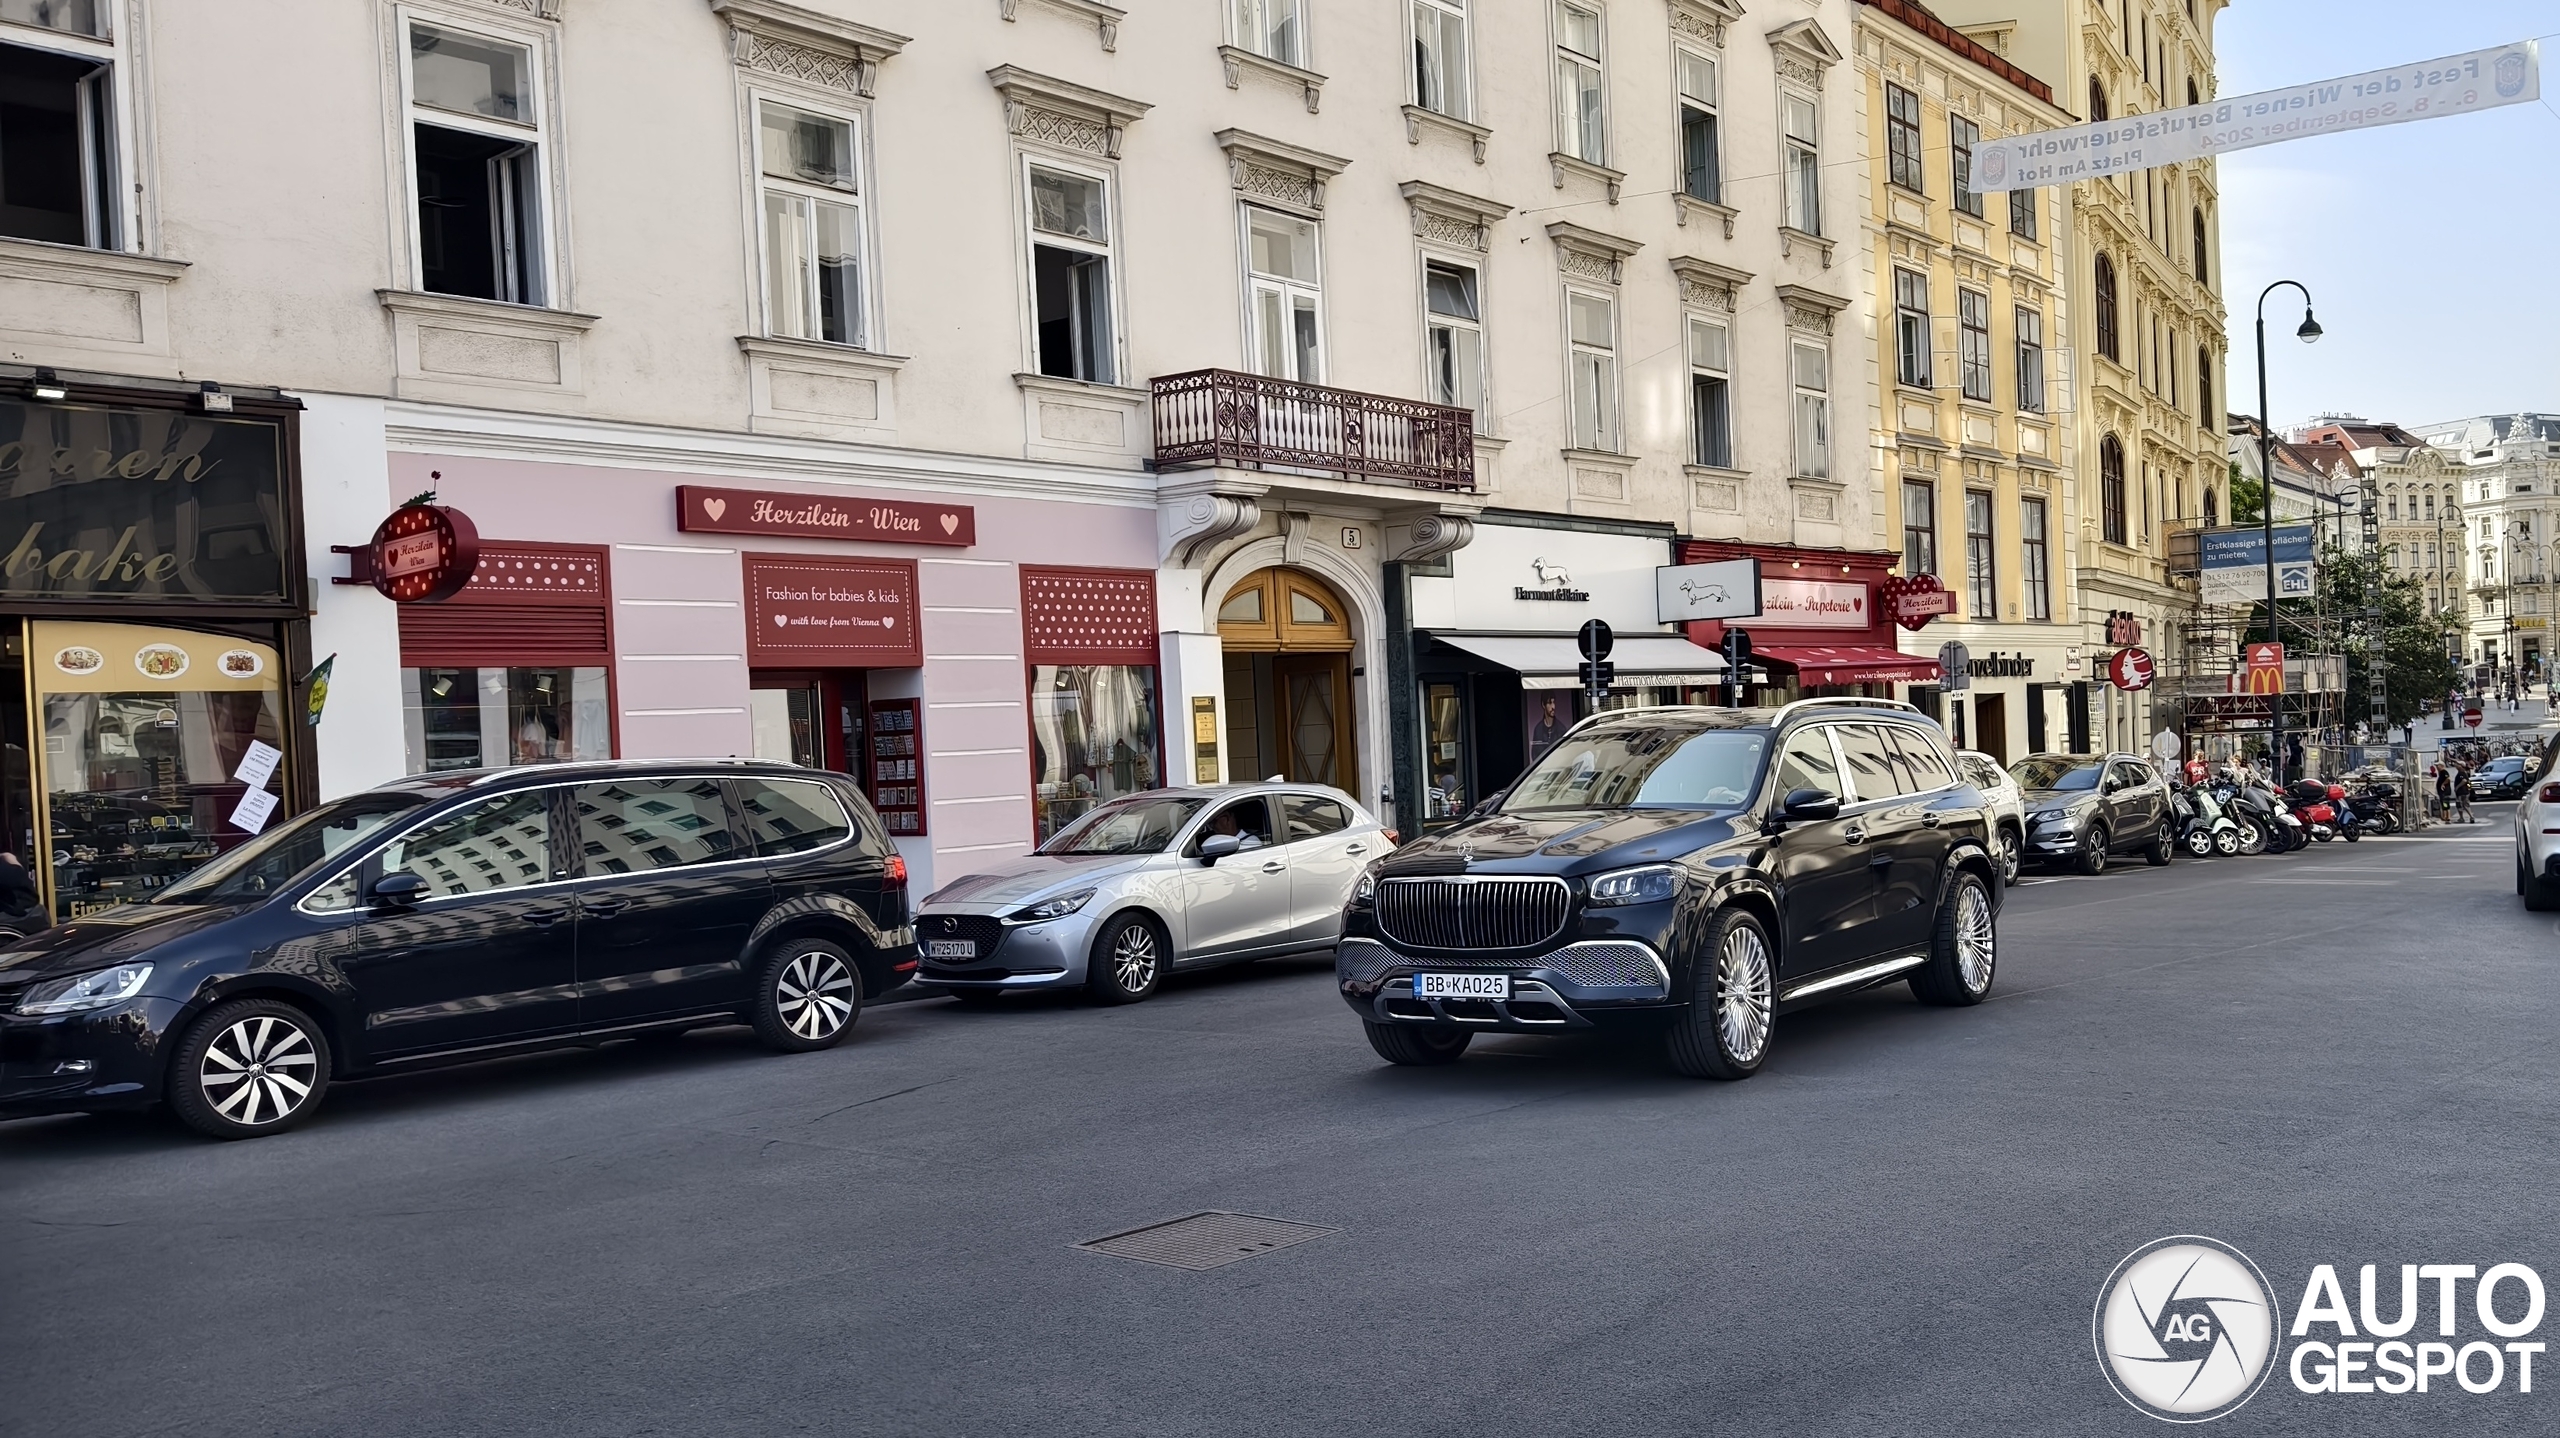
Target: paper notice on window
258,765
253,811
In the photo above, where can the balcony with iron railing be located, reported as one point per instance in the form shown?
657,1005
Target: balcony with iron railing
1226,418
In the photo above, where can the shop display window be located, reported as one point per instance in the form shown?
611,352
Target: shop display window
1444,713
1093,734
497,718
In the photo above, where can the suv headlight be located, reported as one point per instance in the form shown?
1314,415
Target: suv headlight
102,989
1651,884
1366,891
1057,908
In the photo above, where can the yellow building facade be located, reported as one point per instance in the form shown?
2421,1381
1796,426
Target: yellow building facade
1972,429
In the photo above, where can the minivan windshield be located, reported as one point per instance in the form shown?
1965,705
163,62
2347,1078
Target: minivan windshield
292,849
1659,766
2048,771
1140,824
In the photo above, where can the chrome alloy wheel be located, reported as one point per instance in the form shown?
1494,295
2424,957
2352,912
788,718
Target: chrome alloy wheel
1976,945
258,1071
2011,860
1742,994
1133,958
814,994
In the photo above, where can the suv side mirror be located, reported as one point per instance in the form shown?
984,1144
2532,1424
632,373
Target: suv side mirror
1220,846
1810,804
399,889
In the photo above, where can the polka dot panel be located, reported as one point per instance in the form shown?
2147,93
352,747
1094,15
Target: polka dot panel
1072,616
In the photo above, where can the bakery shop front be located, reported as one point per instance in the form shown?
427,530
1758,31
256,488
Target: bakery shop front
153,622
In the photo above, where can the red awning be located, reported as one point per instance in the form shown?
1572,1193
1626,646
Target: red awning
1848,664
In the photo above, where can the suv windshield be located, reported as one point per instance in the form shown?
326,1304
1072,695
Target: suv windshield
1663,766
2046,771
1144,824
285,853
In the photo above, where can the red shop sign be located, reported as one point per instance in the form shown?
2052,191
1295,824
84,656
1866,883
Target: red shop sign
818,611
2130,669
1917,600
702,510
422,554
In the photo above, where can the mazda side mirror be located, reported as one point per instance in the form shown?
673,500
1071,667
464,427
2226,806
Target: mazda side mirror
397,889
1219,846
1810,804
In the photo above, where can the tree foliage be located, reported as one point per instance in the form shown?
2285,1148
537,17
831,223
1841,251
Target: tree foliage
2248,497
2416,669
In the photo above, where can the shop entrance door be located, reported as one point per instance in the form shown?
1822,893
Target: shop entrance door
1991,725
1287,639
812,718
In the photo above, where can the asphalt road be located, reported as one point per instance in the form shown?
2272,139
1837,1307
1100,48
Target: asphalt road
1900,1226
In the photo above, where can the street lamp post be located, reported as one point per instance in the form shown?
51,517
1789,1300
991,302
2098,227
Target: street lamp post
2308,333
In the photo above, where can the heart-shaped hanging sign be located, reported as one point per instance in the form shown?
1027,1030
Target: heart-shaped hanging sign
1913,602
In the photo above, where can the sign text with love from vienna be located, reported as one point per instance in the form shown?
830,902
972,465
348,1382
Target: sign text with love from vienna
826,611
703,510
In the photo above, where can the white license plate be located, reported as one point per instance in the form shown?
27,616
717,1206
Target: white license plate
1462,986
950,948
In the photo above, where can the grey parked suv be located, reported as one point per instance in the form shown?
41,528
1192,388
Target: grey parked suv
2083,809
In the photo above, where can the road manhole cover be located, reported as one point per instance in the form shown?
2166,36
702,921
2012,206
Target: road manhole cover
1206,1240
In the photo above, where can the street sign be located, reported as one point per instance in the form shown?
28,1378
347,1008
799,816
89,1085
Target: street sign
2166,744
1955,667
2131,669
2471,716
1596,639
1725,589
2265,669
1913,602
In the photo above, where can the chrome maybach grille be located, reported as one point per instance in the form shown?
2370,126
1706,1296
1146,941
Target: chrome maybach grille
1467,912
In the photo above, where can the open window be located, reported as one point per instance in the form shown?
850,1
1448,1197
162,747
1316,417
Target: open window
477,157
1071,257
58,124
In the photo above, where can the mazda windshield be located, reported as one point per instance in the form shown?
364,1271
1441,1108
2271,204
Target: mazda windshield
1140,824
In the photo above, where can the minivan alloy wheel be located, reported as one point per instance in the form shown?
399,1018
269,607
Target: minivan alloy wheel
258,1070
815,994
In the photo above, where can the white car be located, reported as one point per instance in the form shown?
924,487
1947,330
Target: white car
2008,808
2538,833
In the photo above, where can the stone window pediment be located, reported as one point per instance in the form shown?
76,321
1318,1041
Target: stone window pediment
1063,113
796,43
1451,217
1292,176
1590,254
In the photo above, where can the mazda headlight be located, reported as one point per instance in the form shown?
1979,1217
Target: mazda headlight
1652,884
102,989
1057,908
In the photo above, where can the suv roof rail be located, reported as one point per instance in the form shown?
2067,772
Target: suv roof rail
1847,701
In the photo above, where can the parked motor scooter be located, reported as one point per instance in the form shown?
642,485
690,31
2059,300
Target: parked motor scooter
2203,826
2266,827
2378,808
2309,800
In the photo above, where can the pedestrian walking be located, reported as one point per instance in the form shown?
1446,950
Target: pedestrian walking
2462,792
2443,805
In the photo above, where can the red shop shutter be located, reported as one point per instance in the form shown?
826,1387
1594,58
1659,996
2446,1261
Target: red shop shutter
1088,616
525,604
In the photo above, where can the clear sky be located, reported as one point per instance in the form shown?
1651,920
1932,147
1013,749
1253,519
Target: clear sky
2431,248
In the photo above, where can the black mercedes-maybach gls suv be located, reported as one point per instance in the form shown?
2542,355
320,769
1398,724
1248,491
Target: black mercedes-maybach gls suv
1686,872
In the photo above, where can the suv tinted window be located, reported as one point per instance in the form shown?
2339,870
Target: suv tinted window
1808,763
502,842
631,826
1922,760
1872,767
1313,818
791,816
2130,776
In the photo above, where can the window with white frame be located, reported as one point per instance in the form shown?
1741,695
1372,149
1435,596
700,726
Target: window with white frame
477,156
1710,394
2030,360
59,123
1701,165
1811,366
1593,330
1803,167
1273,29
1285,296
1071,256
1902,136
1582,129
1453,334
1440,69
1962,136
1973,344
1911,327
812,219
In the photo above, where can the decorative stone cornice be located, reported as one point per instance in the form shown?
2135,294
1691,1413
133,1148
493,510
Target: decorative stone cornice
1195,516
1684,204
538,9
795,43
1106,18
1238,60
1416,118
1802,52
1433,535
1703,20
1706,284
1451,217
1589,254
1810,310
1275,170
1059,112
1563,164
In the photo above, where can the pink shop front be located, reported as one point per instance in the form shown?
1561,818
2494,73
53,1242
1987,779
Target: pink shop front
985,666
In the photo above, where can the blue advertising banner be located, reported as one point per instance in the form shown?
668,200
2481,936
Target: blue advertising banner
2234,564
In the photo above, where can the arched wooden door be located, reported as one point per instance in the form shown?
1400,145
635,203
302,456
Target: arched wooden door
1287,637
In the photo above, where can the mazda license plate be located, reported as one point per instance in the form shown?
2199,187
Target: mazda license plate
1462,986
950,948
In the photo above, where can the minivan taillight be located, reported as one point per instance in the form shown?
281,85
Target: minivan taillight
896,873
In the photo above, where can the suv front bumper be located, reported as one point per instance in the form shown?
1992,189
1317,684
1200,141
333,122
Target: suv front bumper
1573,986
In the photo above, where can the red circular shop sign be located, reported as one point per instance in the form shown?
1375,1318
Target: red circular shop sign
424,553
2130,669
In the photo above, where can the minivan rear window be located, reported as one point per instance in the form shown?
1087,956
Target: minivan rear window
792,816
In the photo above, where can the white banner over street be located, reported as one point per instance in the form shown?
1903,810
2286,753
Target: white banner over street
2455,85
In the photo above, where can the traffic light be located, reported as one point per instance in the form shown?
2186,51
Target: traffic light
1737,653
